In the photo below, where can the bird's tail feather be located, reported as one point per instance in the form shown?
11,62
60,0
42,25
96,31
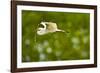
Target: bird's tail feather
60,30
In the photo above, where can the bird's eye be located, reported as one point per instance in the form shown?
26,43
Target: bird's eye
41,26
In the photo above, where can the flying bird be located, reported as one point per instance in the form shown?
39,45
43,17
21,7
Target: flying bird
48,27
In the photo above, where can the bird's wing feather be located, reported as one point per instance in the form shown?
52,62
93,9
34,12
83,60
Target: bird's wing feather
51,26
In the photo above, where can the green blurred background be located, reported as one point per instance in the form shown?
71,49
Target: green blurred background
55,46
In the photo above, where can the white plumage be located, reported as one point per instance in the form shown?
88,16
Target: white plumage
48,27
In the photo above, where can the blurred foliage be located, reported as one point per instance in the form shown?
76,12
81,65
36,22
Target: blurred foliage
55,46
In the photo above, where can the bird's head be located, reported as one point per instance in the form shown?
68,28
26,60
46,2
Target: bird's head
43,23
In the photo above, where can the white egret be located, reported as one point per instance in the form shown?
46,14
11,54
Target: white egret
48,27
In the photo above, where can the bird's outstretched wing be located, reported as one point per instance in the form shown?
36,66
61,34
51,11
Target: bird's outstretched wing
51,26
